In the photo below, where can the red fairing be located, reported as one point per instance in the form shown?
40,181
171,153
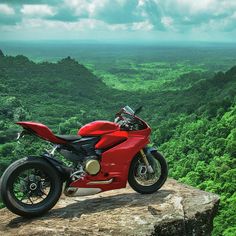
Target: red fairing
111,139
41,130
97,128
116,161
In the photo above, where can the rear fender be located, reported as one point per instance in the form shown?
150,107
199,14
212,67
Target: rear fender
63,171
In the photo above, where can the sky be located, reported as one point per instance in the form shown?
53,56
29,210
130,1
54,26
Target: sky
119,20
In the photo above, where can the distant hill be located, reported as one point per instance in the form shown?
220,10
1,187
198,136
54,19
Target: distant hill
1,53
63,88
66,77
51,89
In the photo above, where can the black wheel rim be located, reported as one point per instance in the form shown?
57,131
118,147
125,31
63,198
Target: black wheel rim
141,174
31,186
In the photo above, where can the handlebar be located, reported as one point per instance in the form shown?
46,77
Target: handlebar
132,122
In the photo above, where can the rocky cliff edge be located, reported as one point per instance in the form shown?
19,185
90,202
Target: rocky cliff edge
175,210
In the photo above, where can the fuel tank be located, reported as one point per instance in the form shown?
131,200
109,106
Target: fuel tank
97,128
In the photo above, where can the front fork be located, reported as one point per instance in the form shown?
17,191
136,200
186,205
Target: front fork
144,157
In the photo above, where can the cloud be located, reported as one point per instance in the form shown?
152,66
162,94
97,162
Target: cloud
119,27
8,15
209,7
40,10
64,14
167,21
226,24
6,10
142,26
112,12
87,8
173,18
186,15
21,2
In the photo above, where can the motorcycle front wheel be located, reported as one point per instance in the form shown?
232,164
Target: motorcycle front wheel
30,187
141,180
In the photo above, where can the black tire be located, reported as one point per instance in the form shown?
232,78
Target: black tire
151,188
20,208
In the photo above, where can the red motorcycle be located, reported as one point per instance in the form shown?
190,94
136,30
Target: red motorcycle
105,155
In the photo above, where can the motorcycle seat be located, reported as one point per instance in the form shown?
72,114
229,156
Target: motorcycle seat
69,137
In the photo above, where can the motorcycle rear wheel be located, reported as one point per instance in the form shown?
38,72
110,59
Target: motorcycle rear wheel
139,178
30,187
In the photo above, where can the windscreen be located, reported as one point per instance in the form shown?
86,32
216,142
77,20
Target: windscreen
129,110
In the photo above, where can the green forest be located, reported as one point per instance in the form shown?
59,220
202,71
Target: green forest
190,107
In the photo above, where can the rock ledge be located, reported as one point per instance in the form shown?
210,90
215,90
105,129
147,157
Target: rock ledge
176,209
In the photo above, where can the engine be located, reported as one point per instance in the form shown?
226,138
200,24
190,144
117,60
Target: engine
83,155
91,165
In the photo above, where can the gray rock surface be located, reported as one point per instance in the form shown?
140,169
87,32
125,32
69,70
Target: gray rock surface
175,210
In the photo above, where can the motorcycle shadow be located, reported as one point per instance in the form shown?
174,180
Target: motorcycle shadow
96,205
